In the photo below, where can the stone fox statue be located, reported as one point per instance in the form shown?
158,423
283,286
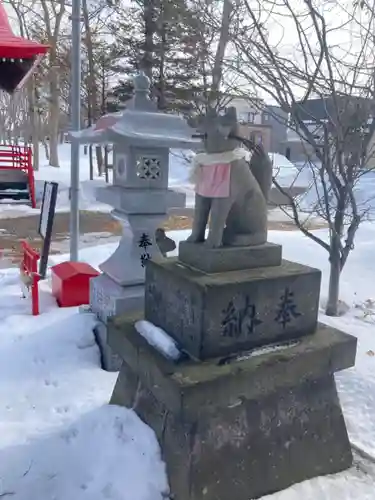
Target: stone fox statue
231,185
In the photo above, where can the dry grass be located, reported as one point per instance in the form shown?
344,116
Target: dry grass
178,222
15,230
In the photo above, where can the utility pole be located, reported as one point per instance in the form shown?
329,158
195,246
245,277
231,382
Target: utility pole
75,113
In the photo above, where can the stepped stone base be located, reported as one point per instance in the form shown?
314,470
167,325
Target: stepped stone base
108,299
239,427
109,360
220,260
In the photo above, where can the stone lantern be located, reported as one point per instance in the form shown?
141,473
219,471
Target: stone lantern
141,137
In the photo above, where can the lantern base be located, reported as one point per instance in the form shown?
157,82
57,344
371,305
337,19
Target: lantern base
126,266
107,299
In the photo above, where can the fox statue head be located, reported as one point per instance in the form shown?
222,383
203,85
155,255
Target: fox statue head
218,129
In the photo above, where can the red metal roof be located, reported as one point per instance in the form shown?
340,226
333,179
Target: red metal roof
107,121
16,47
69,269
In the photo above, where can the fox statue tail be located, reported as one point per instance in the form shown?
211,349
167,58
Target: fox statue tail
260,164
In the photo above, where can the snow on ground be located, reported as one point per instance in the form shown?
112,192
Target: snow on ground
62,176
85,240
59,439
179,172
356,385
312,198
284,171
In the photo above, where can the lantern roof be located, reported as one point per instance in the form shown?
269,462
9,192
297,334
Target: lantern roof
141,124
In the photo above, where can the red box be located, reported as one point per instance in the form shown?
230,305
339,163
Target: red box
71,283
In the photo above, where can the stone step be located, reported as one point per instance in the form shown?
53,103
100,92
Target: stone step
193,388
254,424
221,260
14,194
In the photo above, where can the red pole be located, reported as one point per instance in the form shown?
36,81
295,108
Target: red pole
30,266
35,294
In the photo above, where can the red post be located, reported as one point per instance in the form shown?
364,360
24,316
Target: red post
35,295
30,268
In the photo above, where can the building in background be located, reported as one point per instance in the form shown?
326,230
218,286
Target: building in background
314,112
250,116
277,119
262,123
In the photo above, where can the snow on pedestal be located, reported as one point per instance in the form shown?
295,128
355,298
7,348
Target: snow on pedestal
159,339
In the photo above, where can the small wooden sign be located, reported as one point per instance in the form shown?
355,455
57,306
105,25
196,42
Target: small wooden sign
47,216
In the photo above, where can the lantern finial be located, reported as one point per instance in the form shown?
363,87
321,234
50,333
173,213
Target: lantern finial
141,82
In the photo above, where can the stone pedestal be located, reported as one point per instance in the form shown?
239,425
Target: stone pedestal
108,299
239,427
252,408
217,314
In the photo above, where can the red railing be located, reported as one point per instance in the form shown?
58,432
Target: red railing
19,158
29,267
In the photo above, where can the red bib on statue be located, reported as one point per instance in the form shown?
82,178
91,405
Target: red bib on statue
213,181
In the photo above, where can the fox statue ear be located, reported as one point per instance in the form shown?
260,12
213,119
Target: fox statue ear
231,113
211,114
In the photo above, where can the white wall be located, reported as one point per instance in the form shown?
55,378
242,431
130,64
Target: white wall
246,111
315,129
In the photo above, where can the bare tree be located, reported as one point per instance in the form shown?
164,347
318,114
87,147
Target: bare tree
45,20
49,97
53,14
14,122
96,40
296,51
20,12
215,20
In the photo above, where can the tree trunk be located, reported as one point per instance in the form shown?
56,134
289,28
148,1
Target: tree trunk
217,71
161,97
334,279
93,104
106,166
34,122
54,113
99,159
36,151
91,163
35,129
46,150
149,32
52,30
54,148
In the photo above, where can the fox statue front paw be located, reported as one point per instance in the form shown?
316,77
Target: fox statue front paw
195,238
213,242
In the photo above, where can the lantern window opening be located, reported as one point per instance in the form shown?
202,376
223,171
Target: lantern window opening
148,167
